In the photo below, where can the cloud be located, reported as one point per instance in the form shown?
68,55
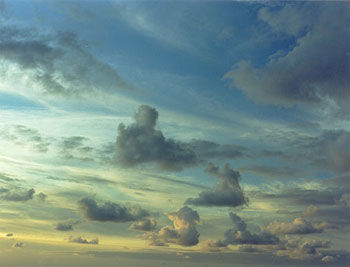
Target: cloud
183,231
315,70
227,191
141,143
66,226
331,150
54,63
73,147
41,196
239,235
18,245
82,240
23,135
148,224
110,211
298,226
17,194
9,234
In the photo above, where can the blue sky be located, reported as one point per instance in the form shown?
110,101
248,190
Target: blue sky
168,131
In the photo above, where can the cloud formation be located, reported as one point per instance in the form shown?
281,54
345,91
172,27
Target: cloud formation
110,211
141,143
82,240
227,191
297,226
183,231
54,63
239,235
16,194
147,224
315,70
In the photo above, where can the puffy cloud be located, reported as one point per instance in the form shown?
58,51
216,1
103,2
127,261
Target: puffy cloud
183,231
110,211
74,147
316,69
148,224
298,226
227,191
82,240
239,235
140,143
17,194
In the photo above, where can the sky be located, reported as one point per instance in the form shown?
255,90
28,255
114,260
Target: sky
174,133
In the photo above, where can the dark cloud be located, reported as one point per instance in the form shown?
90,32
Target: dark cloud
239,235
66,226
110,211
227,191
317,67
140,143
147,224
9,234
17,194
56,62
82,240
183,231
297,226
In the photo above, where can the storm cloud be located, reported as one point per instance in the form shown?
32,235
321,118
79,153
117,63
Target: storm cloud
227,191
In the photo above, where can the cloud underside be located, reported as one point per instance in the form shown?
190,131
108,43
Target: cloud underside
315,70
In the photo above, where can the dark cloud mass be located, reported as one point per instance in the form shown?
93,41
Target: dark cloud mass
239,235
183,231
227,191
316,69
17,194
110,211
141,143
82,240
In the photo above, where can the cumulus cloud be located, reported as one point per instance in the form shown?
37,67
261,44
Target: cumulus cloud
82,240
74,147
227,191
110,211
239,235
315,70
147,224
17,194
297,226
183,231
141,143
